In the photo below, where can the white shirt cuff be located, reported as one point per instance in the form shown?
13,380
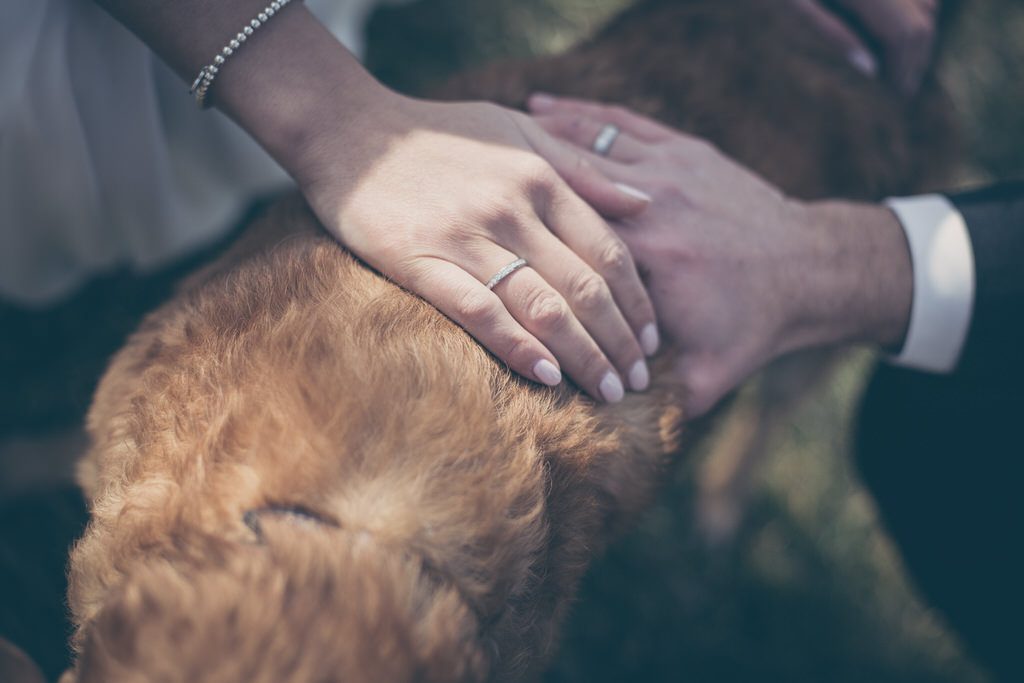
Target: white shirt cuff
944,283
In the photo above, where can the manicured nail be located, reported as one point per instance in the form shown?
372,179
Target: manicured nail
541,102
649,340
611,388
547,373
639,377
863,62
631,191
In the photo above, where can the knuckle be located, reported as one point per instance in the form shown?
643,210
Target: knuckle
589,291
615,259
505,213
533,170
474,307
547,310
538,180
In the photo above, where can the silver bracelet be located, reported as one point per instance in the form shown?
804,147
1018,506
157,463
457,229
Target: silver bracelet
201,86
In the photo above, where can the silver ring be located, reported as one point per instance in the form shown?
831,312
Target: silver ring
605,139
505,272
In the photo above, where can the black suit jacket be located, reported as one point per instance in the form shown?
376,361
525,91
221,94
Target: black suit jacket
995,341
943,455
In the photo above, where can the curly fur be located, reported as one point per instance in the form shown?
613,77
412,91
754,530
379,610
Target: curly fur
466,502
458,505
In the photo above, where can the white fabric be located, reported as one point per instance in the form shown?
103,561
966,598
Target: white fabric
105,160
944,282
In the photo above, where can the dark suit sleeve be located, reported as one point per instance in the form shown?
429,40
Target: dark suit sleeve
995,221
943,455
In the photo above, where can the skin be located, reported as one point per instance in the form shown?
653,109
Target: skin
902,32
741,274
438,197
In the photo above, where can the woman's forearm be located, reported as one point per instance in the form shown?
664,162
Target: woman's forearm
439,197
290,80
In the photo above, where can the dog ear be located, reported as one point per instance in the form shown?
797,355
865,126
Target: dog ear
17,667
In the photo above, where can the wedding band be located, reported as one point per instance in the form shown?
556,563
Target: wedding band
505,272
605,139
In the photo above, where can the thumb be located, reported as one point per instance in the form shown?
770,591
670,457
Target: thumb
609,198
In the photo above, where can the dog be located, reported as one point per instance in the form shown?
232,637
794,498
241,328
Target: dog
300,472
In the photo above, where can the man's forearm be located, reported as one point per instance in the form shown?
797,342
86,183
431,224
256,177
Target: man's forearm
859,284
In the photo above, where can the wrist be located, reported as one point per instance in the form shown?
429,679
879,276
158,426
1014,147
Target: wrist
857,285
296,85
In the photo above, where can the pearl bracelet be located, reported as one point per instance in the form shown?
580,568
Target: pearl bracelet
201,86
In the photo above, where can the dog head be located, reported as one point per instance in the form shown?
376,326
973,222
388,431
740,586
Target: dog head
303,600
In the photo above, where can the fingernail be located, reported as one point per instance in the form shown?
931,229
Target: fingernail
639,377
649,340
611,388
863,62
547,373
541,102
631,191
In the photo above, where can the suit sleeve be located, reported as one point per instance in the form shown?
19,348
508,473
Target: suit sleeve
941,452
995,222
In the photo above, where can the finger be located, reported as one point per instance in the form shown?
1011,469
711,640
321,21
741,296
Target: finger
913,52
586,237
906,32
582,131
590,297
640,127
912,68
835,30
549,317
481,312
615,200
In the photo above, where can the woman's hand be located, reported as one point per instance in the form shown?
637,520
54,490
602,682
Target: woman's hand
904,31
440,197
739,273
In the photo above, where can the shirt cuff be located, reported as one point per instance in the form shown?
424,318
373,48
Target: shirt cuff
944,282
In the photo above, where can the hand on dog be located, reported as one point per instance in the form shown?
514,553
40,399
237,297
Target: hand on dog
904,31
441,197
739,273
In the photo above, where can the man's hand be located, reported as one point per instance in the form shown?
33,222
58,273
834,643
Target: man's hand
739,273
903,30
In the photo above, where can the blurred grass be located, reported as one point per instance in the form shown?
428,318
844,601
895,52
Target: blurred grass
812,589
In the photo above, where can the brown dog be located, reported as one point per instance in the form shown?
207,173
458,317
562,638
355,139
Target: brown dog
302,473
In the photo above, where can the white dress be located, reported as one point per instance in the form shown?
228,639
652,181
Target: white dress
105,160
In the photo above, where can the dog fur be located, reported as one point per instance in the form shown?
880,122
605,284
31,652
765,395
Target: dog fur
300,472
